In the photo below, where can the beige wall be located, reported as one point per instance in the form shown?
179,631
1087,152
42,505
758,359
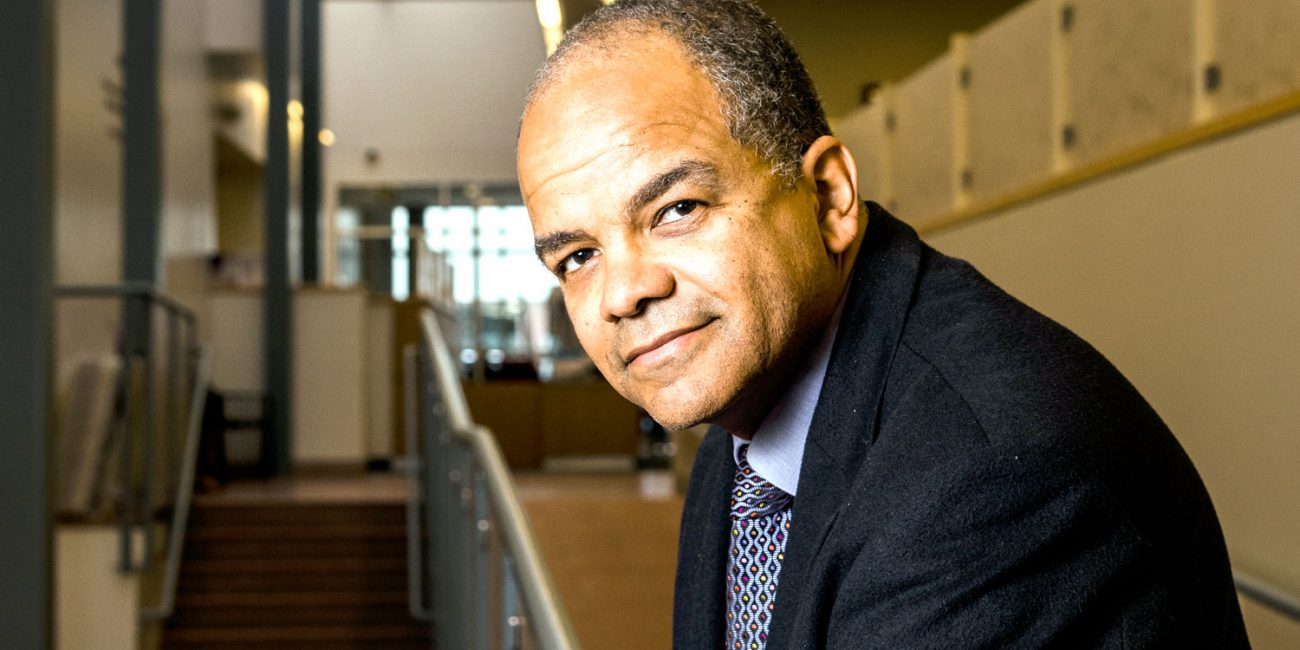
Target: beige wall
1183,272
1268,629
240,216
88,149
332,348
379,377
330,423
97,607
88,166
234,334
188,217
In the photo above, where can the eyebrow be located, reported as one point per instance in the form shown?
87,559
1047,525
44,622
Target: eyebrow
700,172
695,170
548,244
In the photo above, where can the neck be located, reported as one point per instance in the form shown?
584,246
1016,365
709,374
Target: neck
743,417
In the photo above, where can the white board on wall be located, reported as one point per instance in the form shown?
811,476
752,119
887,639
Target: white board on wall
925,142
864,132
1131,74
1010,101
1257,47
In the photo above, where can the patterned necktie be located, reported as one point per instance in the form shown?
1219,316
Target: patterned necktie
760,525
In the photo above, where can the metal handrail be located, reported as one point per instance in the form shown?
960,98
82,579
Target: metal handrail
539,594
523,562
175,311
184,495
445,374
416,597
1267,594
129,289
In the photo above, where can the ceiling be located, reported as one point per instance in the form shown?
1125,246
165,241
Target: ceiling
433,89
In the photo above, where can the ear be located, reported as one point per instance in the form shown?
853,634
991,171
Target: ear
830,167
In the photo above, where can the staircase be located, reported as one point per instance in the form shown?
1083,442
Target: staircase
286,575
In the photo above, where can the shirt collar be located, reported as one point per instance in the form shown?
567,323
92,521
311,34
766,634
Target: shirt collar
776,450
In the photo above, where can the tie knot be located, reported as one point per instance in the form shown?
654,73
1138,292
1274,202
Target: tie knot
753,496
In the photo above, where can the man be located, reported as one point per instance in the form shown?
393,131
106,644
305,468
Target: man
904,455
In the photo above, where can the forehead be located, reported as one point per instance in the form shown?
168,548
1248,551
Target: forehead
620,115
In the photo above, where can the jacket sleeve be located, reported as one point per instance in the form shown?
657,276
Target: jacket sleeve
1005,549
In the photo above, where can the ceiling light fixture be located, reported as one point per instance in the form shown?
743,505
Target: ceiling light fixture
551,18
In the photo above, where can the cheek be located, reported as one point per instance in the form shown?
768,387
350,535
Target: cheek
589,327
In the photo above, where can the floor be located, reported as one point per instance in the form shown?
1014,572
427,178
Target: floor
609,540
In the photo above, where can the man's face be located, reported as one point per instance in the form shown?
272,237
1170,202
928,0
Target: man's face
694,279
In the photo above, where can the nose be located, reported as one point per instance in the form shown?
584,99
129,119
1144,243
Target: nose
632,280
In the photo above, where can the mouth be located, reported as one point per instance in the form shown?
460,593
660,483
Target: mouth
662,346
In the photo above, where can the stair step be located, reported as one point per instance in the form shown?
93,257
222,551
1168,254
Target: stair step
421,644
294,532
272,583
293,576
350,614
298,514
210,549
276,636
294,599
296,566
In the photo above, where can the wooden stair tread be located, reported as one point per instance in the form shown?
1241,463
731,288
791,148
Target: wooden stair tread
319,576
293,599
299,633
311,514
297,532
295,565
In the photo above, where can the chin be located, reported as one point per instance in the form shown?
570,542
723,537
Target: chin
689,400
674,421
684,414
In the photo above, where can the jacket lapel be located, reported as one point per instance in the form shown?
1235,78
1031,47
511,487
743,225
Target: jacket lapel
699,607
846,419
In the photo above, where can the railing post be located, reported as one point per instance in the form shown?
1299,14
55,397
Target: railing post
175,364
147,448
513,634
482,552
416,496
126,448
478,508
184,494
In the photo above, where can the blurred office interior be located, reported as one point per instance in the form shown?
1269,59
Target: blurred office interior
280,368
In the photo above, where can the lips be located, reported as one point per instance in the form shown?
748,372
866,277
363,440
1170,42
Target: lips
659,343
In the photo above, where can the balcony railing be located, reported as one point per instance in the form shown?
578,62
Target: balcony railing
476,572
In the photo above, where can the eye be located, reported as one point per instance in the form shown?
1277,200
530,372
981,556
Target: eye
574,261
676,212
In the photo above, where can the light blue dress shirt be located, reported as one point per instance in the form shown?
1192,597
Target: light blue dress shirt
776,451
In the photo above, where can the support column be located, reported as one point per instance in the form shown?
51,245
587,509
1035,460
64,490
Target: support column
141,198
141,149
311,125
26,65
413,269
277,297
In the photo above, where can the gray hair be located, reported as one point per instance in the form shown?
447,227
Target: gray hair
768,100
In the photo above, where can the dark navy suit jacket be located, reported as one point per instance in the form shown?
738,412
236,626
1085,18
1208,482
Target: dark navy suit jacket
975,476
